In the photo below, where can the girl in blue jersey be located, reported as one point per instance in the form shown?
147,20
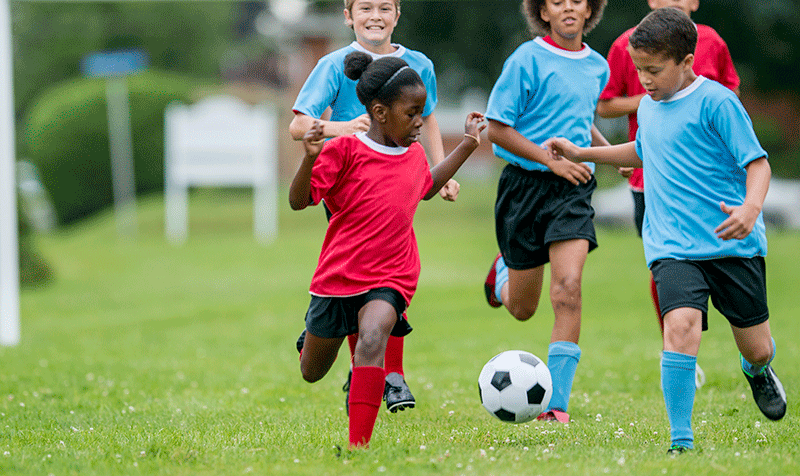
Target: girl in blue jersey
548,87
706,177
373,22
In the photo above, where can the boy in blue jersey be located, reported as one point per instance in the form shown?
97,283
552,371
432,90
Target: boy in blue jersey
327,87
548,87
706,177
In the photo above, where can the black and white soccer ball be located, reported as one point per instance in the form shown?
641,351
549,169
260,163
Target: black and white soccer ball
515,386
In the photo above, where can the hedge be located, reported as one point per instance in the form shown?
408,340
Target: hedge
65,134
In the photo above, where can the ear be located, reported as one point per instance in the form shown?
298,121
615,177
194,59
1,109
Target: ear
652,4
694,5
543,13
379,112
688,61
348,20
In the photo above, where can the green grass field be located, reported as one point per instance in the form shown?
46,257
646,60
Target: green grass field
142,358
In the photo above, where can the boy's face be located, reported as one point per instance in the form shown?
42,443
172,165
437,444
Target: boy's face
566,17
402,121
688,6
661,76
373,21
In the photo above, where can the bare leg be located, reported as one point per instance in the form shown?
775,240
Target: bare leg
522,292
318,356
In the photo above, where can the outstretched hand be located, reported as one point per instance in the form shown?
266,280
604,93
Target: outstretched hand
739,223
313,140
473,126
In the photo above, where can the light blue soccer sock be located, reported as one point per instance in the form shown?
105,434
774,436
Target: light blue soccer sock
501,278
677,383
753,370
562,360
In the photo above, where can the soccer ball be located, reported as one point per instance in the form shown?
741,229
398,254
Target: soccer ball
515,386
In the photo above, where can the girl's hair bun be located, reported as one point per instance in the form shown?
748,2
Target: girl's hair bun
355,64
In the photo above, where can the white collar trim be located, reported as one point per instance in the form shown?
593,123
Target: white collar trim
580,54
397,53
383,149
687,90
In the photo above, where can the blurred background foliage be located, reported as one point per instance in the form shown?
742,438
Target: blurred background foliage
61,115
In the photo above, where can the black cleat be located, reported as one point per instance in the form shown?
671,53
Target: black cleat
675,450
397,394
768,393
300,341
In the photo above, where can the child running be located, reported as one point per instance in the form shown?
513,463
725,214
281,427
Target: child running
369,264
623,92
703,232
373,22
543,213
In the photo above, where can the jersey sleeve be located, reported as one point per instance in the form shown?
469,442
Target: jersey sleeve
326,170
727,72
429,79
319,90
618,59
731,122
512,91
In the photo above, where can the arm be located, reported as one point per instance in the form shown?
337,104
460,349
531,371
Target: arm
300,189
618,106
508,138
620,155
431,131
743,218
444,170
598,139
302,123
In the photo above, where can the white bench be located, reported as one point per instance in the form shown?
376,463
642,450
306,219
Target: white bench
220,141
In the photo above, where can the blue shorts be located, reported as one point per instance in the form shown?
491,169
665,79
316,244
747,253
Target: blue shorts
331,317
737,287
534,209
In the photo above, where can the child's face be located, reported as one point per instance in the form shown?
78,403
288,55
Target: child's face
688,6
661,76
566,17
373,21
402,121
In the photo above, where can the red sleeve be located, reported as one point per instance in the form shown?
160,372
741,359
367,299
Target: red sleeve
619,62
327,167
727,73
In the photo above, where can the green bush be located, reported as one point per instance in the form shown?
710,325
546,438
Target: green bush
783,151
65,134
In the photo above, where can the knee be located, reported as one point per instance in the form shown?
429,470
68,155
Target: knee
521,311
310,375
760,355
370,345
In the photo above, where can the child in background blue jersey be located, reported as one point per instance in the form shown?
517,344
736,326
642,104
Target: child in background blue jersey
548,87
373,22
703,233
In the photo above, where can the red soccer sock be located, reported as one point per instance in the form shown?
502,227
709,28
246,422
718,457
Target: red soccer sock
393,361
654,295
366,391
352,339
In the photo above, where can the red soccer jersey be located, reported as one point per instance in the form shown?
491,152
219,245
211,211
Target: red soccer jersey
373,192
711,59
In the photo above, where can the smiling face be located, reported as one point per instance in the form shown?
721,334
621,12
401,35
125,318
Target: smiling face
400,123
373,22
660,75
566,18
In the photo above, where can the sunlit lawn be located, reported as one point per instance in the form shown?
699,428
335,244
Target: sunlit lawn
143,358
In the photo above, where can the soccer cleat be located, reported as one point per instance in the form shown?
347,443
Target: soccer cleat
300,341
397,394
768,393
488,285
554,415
346,390
677,450
699,377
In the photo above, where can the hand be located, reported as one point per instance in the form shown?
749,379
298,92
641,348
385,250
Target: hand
626,171
576,173
359,124
450,190
314,139
739,223
473,127
559,146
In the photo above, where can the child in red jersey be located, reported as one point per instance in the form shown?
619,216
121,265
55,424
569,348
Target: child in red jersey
623,92
369,264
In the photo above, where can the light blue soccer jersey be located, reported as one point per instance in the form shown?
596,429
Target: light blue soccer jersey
328,86
544,91
694,147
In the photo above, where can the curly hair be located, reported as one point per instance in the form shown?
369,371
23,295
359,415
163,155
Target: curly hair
666,31
531,10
